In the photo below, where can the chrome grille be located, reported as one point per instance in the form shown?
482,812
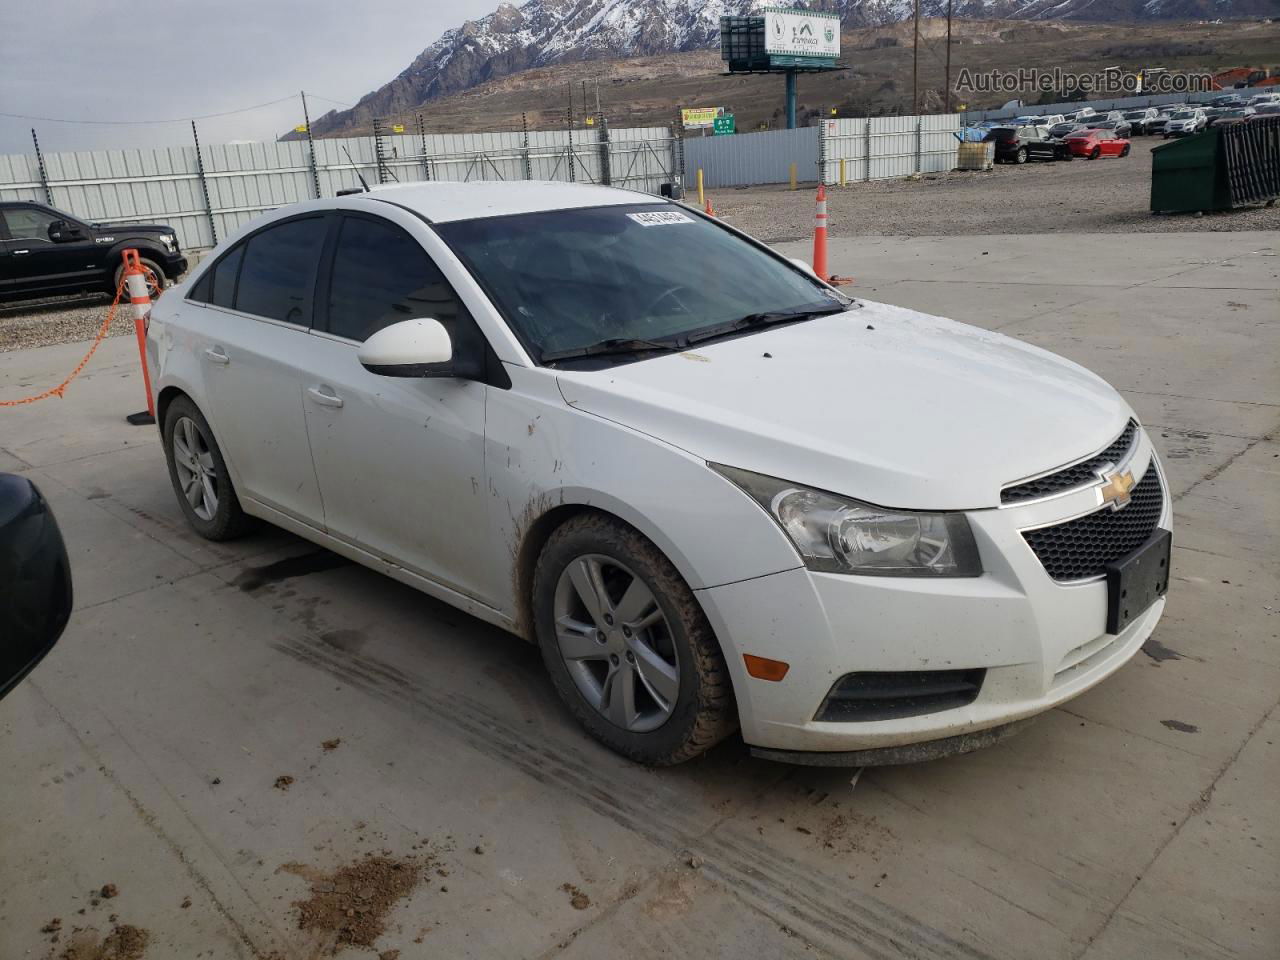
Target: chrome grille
1076,475
1081,549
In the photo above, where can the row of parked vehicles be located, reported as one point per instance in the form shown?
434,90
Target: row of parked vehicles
1091,134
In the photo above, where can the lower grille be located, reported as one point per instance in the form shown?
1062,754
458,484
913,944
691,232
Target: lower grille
889,696
1081,549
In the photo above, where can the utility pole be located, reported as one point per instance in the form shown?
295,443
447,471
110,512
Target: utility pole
948,93
311,145
915,65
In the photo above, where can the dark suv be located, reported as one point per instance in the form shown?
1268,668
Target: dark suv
45,251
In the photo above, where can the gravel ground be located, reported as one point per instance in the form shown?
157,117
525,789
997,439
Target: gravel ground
1102,196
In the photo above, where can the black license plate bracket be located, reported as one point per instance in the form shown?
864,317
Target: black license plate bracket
1138,580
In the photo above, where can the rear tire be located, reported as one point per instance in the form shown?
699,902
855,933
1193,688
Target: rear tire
199,475
1125,151
637,663
1021,156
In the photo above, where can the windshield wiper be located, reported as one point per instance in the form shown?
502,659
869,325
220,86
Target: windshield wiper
608,346
767,319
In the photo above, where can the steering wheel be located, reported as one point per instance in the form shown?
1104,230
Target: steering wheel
669,292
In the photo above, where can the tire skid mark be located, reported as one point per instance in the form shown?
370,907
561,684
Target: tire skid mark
781,887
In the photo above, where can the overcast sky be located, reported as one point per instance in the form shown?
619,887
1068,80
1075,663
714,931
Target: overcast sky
112,60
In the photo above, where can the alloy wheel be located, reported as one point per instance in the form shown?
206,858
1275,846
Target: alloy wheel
616,643
197,473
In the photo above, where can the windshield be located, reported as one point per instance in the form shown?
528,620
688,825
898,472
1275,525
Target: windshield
569,279
1182,115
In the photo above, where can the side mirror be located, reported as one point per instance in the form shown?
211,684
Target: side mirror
805,266
410,348
35,579
62,232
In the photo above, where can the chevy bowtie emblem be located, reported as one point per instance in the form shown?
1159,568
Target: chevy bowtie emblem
1115,489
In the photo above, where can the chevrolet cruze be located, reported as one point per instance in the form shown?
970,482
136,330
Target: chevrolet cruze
716,492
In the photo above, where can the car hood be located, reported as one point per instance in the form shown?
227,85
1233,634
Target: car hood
880,403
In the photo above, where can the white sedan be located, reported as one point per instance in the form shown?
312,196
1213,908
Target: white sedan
716,492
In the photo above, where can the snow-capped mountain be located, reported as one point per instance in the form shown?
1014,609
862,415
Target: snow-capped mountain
543,32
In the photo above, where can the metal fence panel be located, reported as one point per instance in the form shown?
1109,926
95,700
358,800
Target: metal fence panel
245,179
878,148
747,159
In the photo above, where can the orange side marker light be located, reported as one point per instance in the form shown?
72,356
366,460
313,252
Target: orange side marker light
762,668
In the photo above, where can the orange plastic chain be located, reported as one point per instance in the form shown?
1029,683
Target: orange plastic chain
58,390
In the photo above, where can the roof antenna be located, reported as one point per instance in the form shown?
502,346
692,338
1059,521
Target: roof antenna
358,173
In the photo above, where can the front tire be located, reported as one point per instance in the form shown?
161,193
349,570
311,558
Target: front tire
155,280
1125,151
1095,153
199,474
628,648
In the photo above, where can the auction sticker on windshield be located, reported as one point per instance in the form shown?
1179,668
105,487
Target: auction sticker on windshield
659,218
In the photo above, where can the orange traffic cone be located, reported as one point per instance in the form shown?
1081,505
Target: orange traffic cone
135,281
709,209
820,234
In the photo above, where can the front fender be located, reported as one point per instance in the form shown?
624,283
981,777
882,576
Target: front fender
542,454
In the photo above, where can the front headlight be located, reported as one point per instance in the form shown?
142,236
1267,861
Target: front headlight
838,535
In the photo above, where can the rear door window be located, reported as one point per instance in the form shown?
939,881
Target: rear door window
224,278
277,277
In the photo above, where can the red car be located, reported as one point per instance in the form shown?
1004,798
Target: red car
1092,144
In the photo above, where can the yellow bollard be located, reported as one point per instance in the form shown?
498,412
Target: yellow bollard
793,176
842,171
702,200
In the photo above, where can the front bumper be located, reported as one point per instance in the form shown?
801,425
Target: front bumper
1041,642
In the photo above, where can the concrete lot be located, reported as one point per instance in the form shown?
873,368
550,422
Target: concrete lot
1138,821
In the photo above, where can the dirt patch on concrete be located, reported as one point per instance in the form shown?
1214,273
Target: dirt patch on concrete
123,942
352,903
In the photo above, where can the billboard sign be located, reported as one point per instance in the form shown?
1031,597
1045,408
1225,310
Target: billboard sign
801,33
693,117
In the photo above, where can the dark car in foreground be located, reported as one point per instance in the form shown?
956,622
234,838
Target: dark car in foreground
35,579
45,251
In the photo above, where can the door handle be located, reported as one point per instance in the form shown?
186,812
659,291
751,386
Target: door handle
20,253
217,356
324,397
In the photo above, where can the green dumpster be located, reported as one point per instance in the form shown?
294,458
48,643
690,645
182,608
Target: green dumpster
1225,166
1188,175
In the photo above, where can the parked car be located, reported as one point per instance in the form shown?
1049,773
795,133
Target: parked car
1138,119
1121,128
1235,115
1260,99
1267,110
1060,130
1094,143
1186,122
1157,124
35,580
1211,115
626,432
1036,120
1084,113
47,251
1020,144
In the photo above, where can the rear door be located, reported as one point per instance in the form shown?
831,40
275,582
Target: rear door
401,461
37,264
255,348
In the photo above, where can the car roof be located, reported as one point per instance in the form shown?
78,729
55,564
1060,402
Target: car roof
441,201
